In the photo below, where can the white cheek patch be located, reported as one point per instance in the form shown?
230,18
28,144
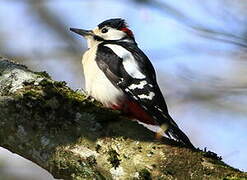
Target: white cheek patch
129,63
138,86
113,34
149,96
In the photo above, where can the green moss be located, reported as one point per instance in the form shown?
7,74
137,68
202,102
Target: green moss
31,93
60,83
113,158
69,166
97,148
91,160
51,95
144,174
73,96
211,155
234,178
43,74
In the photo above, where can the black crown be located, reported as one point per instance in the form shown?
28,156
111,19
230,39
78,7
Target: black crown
116,23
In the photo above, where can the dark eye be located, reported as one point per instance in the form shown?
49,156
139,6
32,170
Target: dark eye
104,30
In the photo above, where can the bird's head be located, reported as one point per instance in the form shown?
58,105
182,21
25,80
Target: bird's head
109,30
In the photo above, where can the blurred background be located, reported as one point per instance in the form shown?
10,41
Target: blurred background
199,50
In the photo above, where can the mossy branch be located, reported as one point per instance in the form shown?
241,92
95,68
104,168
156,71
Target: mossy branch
75,138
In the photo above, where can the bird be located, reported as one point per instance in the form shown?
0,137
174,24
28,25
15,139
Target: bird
120,76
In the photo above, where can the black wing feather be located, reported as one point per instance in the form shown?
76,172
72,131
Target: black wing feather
112,66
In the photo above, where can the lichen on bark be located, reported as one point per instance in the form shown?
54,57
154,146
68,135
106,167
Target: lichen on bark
75,138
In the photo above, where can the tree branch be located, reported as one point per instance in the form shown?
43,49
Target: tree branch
74,138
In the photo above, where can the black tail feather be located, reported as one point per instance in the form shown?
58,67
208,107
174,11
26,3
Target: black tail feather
177,134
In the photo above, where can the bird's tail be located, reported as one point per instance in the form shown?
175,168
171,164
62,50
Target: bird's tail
174,132
179,135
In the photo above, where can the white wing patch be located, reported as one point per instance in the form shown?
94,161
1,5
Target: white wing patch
138,86
149,96
129,62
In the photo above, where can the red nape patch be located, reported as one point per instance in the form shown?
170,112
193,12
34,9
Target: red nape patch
136,111
127,31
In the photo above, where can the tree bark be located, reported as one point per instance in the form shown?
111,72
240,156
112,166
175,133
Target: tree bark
73,137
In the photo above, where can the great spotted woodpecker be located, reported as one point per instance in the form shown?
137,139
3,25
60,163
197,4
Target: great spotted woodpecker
120,76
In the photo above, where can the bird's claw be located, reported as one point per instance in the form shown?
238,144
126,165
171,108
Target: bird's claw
81,91
87,96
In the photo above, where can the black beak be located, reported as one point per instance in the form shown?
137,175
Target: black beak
82,32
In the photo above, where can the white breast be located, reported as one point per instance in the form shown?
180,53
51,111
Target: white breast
97,84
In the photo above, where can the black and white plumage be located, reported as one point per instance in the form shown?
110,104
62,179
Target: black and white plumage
120,75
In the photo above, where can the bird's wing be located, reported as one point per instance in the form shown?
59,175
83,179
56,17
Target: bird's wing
129,69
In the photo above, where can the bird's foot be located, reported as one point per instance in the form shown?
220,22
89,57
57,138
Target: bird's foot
81,91
90,98
87,96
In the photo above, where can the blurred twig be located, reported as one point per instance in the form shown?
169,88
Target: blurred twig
53,22
202,29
